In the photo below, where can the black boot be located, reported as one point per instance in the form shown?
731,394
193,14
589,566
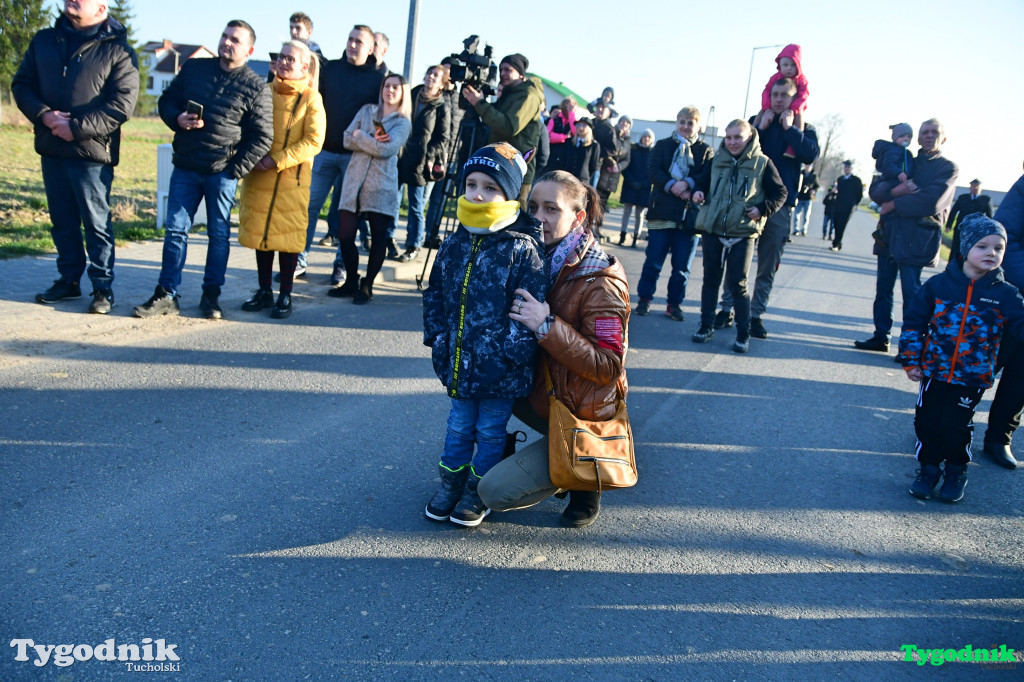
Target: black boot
448,494
622,238
283,307
510,442
584,506
392,249
470,510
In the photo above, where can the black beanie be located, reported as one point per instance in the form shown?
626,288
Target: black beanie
517,62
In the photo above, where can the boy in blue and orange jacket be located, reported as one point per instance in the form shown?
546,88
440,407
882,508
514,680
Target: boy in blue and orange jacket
950,341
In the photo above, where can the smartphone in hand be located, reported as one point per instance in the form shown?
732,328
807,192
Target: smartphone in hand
194,108
379,128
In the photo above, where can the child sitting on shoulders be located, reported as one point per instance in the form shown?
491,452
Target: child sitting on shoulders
483,358
789,66
950,340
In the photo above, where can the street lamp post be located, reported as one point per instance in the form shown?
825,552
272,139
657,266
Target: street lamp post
410,38
750,74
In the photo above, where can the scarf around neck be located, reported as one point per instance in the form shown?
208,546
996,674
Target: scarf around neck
682,159
486,218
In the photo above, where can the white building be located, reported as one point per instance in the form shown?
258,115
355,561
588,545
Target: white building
164,59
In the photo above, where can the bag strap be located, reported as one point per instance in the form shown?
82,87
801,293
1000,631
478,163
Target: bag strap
547,379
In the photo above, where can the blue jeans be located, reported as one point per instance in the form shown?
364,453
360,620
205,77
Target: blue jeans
417,203
683,245
78,196
885,287
187,189
801,216
328,173
481,422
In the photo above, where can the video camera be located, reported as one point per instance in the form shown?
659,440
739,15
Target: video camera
475,67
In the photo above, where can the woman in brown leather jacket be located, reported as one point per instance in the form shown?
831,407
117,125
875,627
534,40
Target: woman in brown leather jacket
582,331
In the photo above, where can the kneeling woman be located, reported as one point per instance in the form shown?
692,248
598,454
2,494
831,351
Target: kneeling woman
274,206
582,334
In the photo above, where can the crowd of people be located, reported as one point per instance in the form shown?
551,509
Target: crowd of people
523,301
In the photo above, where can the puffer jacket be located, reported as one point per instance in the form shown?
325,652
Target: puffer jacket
97,85
664,204
515,118
428,141
953,327
1011,215
586,346
477,350
371,180
273,210
238,118
800,100
736,184
910,240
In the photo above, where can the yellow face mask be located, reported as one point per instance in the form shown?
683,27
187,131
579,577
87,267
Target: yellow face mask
485,218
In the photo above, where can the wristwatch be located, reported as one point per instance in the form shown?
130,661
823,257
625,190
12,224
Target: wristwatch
545,326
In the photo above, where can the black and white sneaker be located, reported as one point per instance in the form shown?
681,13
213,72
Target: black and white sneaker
102,301
60,291
704,334
209,306
162,302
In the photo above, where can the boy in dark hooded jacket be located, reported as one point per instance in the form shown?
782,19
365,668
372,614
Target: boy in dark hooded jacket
951,335
483,358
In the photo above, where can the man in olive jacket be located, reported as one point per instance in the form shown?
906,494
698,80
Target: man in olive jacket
221,113
78,83
515,116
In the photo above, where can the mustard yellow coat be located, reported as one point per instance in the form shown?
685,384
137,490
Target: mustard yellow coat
273,210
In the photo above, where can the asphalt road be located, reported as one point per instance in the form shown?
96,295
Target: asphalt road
252,491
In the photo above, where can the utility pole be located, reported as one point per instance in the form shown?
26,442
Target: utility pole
410,38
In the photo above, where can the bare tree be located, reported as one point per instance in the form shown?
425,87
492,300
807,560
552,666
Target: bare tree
830,161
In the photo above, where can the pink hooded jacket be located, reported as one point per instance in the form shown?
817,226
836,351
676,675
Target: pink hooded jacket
799,104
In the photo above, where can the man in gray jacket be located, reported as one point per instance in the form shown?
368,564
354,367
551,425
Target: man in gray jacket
78,83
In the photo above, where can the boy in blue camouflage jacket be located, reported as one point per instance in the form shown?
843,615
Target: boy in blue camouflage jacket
950,341
483,358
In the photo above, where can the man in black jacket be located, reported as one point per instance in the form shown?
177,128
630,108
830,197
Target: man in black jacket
913,213
849,192
223,122
346,84
965,205
778,135
78,83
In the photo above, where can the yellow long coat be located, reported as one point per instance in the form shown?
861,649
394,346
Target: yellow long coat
273,210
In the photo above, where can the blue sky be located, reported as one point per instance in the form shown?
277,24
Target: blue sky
874,63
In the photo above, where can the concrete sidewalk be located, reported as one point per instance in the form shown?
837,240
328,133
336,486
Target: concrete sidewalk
252,491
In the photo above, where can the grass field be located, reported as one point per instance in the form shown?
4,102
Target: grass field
24,222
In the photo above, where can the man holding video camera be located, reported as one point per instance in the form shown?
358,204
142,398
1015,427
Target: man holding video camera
222,117
515,116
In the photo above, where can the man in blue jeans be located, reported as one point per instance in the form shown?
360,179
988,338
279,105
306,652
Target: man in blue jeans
222,117
913,213
78,83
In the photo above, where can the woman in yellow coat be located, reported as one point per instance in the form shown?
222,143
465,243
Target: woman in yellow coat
274,207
